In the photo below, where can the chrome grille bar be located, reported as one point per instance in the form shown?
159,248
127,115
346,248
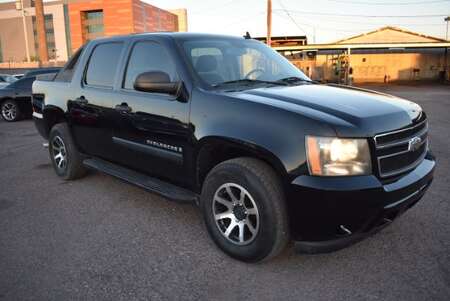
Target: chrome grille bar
399,153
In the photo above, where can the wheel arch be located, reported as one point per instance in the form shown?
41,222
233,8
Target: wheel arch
213,150
51,115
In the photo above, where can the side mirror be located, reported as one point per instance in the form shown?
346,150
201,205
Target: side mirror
157,82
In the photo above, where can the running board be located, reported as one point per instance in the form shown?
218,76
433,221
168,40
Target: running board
162,188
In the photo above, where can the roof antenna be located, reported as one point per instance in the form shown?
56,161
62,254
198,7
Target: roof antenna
247,35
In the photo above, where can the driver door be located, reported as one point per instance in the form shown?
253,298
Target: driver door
151,130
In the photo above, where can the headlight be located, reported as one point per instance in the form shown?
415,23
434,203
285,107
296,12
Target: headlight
338,157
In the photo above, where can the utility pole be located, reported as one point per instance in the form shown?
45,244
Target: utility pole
40,28
269,22
19,6
446,75
446,33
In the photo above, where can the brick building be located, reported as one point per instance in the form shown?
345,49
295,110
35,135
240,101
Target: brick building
68,26
92,19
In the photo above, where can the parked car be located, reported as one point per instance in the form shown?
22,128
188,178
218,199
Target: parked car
15,99
48,70
19,76
6,79
229,124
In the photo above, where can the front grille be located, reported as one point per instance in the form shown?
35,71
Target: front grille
402,150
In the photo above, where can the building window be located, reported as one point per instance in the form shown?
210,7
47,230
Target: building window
92,23
49,34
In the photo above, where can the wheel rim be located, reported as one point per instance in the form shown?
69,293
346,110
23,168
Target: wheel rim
236,214
59,153
9,111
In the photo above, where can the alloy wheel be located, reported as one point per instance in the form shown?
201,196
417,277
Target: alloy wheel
9,111
236,214
59,153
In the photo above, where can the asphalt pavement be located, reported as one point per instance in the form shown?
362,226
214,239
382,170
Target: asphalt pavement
99,238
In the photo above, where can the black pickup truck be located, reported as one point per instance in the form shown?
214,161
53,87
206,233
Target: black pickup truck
228,124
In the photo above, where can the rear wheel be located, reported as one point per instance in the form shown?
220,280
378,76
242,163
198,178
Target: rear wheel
244,209
66,159
10,110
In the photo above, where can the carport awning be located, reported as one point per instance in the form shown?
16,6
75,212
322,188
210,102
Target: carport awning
363,46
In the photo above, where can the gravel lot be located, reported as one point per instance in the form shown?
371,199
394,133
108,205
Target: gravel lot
101,239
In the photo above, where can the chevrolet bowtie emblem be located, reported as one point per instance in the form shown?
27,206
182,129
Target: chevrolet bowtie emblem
414,143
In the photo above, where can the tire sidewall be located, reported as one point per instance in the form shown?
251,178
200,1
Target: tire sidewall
17,110
263,243
57,131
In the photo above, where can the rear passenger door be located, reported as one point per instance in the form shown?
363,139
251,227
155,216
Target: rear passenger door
92,107
153,137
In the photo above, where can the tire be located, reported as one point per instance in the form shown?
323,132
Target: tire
262,189
10,111
66,160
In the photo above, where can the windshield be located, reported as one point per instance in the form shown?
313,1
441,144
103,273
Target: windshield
222,61
8,78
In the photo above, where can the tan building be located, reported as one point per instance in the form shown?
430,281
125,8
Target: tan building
386,54
12,36
182,18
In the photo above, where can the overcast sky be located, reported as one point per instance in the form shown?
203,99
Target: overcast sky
331,20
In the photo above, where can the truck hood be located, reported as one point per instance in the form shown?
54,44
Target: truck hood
352,112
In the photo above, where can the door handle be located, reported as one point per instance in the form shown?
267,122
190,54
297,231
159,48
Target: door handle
123,108
81,100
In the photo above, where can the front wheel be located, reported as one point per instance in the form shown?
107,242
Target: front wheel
244,209
10,111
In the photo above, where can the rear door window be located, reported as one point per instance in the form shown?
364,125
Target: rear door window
103,65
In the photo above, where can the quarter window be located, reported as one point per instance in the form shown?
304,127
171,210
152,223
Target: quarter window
103,64
148,56
66,74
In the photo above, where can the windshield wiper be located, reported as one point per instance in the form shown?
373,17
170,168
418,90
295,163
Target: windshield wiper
250,82
295,79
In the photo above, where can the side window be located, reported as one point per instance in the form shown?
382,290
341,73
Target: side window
103,64
66,74
148,56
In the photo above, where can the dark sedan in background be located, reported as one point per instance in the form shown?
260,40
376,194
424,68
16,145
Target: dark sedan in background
15,99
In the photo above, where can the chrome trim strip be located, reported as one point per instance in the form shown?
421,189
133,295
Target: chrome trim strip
399,131
404,169
402,152
402,200
405,140
407,197
150,150
38,115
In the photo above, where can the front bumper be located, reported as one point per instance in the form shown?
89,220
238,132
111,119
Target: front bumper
329,213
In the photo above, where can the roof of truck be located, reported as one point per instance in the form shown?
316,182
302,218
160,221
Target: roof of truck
175,35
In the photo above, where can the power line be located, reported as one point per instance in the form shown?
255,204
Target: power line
290,17
364,16
381,23
329,28
389,3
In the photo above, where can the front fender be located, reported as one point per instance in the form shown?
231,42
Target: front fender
266,129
